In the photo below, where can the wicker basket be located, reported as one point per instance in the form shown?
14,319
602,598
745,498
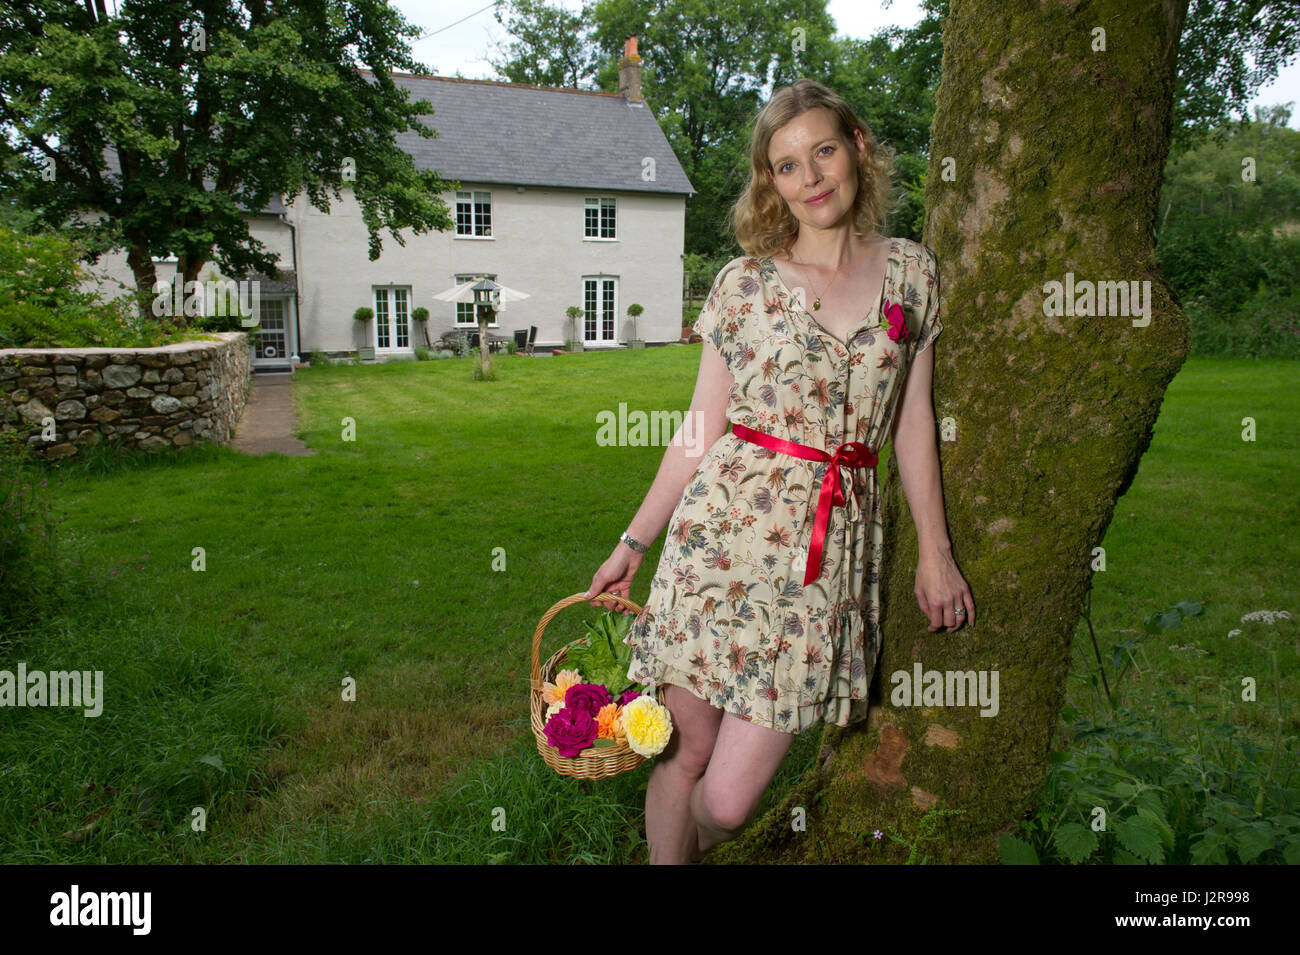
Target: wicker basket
592,763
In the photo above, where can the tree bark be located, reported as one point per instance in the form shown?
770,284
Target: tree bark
146,275
1056,151
485,315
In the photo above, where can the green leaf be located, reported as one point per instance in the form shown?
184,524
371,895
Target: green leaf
603,742
1075,841
602,656
1168,620
1163,829
1252,841
1123,789
1208,849
1016,851
214,760
1188,608
1291,854
1127,858
1139,837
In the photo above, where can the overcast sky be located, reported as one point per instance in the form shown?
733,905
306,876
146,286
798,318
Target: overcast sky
467,34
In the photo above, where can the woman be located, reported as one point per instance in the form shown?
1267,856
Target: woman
763,615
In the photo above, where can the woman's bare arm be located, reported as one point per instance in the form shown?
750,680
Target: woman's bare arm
916,446
708,417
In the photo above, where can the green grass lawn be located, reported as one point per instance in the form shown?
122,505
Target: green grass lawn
418,558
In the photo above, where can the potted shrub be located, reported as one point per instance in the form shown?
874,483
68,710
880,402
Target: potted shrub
421,314
633,311
574,313
362,316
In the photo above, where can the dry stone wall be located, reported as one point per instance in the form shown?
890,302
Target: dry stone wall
144,398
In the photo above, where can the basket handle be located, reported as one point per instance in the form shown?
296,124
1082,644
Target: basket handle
556,608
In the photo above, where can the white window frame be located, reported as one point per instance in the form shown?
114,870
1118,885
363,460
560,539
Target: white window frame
595,290
285,302
390,294
595,209
475,205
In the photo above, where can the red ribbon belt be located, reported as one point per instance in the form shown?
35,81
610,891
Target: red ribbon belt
852,454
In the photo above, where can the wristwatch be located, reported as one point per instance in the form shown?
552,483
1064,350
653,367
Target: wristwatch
636,545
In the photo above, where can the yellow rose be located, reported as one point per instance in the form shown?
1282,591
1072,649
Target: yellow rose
648,725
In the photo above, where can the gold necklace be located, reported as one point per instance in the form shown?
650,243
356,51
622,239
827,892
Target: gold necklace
817,302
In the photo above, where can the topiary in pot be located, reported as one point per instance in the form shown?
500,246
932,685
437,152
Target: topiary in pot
633,311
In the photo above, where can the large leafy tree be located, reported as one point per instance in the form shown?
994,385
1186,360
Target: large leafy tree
157,128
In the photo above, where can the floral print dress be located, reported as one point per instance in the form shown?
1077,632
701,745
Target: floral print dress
729,617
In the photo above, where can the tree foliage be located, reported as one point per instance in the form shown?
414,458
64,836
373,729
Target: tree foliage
708,65
158,128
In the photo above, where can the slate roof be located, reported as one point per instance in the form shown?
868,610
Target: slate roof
288,281
520,134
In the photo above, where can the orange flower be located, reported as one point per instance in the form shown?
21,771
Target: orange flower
554,692
605,721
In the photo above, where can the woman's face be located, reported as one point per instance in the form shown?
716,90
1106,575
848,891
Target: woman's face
807,160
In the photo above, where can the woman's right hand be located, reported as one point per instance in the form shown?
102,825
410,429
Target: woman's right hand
615,577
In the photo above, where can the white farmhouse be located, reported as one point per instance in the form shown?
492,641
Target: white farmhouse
572,196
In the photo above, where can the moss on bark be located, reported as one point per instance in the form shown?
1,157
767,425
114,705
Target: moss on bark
1054,152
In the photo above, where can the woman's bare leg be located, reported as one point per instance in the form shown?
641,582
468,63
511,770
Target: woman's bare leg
670,828
745,760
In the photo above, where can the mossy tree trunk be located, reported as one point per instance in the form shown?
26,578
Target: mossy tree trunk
1046,158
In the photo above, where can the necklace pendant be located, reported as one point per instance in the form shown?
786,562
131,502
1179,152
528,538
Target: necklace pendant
817,303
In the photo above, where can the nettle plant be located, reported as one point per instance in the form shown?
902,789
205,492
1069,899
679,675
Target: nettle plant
1184,786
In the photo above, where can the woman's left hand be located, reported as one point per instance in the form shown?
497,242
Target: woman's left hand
941,591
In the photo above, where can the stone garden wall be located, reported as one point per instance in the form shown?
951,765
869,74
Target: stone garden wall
145,398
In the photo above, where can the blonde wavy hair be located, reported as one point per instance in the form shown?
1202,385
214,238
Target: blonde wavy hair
760,219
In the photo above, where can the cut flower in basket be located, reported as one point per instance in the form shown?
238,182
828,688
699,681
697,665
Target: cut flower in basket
554,692
571,730
648,725
609,722
587,696
593,705
591,697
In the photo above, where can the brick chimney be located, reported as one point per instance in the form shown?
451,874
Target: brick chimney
629,72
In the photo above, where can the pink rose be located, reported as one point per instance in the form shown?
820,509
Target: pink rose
897,322
628,696
571,730
588,697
